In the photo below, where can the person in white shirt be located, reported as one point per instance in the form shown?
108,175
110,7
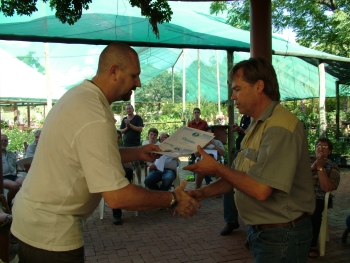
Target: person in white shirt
32,147
78,161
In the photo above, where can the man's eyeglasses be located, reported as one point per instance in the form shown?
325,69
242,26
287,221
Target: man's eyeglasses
4,140
322,146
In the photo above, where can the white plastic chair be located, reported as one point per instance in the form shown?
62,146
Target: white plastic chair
101,207
324,235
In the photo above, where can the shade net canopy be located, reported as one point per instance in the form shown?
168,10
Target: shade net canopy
191,28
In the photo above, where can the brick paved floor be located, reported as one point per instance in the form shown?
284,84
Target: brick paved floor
158,236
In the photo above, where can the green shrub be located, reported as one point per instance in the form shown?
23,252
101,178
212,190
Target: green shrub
17,139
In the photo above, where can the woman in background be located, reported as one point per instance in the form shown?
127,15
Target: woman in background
326,176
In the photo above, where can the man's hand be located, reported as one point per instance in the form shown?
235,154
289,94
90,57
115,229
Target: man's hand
236,127
196,194
127,122
186,204
207,165
153,167
145,153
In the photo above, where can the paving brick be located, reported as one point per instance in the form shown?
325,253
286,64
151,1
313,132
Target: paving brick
159,237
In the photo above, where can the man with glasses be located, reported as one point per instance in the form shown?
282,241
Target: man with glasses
11,181
32,147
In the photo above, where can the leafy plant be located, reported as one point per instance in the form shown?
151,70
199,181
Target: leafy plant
17,139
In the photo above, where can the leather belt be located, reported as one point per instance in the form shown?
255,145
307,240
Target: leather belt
263,226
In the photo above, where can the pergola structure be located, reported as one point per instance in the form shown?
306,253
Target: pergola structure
108,21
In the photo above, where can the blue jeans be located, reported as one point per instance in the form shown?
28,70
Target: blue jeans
155,176
288,244
230,209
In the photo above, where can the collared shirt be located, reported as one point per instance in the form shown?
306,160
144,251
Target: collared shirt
200,125
9,163
275,153
333,173
31,150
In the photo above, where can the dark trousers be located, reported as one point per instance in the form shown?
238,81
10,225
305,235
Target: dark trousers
128,175
29,254
316,220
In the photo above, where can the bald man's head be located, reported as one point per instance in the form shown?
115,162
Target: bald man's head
115,53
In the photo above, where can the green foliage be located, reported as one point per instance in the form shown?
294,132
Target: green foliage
70,11
157,11
323,25
32,61
159,89
17,139
4,124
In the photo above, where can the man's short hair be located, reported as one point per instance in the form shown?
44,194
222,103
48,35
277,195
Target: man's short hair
154,130
198,109
255,69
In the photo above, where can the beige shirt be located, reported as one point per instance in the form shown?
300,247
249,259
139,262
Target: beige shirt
76,160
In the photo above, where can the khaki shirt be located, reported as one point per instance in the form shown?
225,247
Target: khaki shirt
275,153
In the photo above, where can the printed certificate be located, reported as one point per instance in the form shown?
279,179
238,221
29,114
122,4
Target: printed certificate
184,142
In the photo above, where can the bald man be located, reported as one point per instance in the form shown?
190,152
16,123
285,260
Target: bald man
78,161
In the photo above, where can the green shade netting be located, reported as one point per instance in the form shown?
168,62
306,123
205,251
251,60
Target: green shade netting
190,27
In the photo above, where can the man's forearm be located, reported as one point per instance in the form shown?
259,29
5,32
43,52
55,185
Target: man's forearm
123,130
244,183
137,198
135,128
128,154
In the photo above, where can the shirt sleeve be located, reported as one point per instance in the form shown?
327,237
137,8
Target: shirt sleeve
99,156
277,158
334,175
139,122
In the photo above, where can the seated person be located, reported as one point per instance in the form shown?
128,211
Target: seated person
166,174
152,137
117,213
326,177
32,147
212,145
163,136
9,171
5,216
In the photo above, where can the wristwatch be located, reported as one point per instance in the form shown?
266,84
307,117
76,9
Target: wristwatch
173,201
320,169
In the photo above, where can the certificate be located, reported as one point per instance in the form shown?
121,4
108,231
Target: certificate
184,142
